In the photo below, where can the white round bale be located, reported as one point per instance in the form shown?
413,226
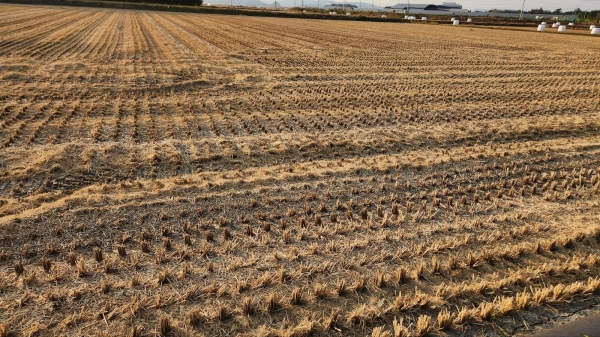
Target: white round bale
541,28
456,22
562,29
596,31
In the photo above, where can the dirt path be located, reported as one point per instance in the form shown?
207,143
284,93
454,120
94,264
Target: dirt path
587,326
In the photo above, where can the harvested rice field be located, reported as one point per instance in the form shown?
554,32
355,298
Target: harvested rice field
173,174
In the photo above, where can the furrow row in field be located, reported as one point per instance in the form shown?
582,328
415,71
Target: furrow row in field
17,47
27,23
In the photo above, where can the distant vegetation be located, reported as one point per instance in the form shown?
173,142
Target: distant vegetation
581,15
589,16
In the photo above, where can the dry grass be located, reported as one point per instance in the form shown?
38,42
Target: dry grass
320,290
423,326
4,331
464,316
380,332
164,325
399,329
19,269
136,331
486,310
296,296
288,178
272,302
445,320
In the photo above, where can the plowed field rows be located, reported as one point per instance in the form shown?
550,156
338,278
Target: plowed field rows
188,174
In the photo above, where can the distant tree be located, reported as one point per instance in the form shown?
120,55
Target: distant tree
539,11
591,16
503,11
557,11
573,12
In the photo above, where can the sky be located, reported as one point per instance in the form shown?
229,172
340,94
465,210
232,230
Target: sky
566,5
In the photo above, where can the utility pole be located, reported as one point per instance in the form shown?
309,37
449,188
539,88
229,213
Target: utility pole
408,7
522,8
